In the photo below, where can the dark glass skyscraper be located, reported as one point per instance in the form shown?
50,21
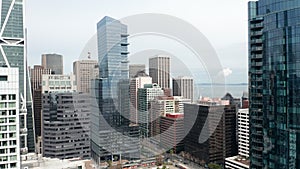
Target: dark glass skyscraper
111,134
13,54
274,78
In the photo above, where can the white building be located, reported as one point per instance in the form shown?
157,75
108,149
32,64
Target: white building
58,83
159,70
242,160
243,132
183,86
85,71
135,83
9,118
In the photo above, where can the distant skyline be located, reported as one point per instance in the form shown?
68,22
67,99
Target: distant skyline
66,28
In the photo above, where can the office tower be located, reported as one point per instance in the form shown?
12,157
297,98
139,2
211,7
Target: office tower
66,121
172,132
232,100
137,82
13,54
183,86
243,132
134,69
110,135
9,118
36,89
159,70
58,83
245,100
241,161
85,71
222,142
145,96
53,62
273,84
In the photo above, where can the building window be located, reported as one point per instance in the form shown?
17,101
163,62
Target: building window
3,78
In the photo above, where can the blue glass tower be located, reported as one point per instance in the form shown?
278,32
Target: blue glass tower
111,134
274,78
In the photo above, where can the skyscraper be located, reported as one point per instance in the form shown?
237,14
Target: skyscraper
85,71
13,54
274,83
53,62
36,89
9,118
138,81
145,96
159,70
134,69
183,86
110,134
66,131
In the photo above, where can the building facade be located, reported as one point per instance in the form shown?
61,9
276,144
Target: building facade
85,71
221,143
58,83
9,118
111,136
13,54
243,132
66,131
135,83
273,83
145,96
53,62
134,69
183,86
36,89
159,70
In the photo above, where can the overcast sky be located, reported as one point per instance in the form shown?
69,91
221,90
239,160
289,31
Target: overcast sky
65,26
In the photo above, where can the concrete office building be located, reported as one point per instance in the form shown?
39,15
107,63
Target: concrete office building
66,121
159,70
58,83
9,118
53,62
172,132
145,96
85,71
183,86
138,81
134,69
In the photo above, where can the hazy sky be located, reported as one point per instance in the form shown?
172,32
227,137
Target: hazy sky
64,26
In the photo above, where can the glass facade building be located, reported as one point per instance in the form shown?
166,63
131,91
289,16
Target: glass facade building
13,54
111,134
274,76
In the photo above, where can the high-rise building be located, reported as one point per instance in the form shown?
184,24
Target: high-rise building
58,83
9,118
243,132
221,143
36,89
137,82
53,62
66,121
134,69
273,84
145,96
13,54
159,70
111,136
183,86
172,132
85,71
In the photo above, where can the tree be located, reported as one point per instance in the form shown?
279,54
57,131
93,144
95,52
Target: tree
159,160
109,163
214,166
164,167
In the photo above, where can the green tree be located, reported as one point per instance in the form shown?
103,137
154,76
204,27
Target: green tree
214,166
109,163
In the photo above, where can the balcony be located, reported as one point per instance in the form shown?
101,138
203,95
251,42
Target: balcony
256,33
258,25
256,49
257,41
257,56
